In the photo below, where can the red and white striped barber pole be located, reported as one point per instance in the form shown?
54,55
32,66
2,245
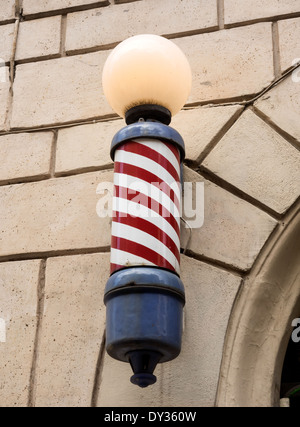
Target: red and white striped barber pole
147,80
146,205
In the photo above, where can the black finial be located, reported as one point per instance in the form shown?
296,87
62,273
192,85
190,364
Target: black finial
143,364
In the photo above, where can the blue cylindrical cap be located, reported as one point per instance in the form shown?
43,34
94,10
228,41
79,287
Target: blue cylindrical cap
144,316
152,130
133,277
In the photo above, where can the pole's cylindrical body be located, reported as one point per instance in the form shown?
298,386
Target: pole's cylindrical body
146,205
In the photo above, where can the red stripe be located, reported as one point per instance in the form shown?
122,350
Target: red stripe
174,150
137,172
143,150
115,267
149,228
149,203
141,251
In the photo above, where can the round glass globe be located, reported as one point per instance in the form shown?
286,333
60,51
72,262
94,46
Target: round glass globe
146,69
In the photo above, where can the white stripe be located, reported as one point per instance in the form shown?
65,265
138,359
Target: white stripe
149,165
134,209
150,190
124,258
126,232
162,149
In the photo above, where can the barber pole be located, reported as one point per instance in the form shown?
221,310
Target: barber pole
146,205
144,295
147,80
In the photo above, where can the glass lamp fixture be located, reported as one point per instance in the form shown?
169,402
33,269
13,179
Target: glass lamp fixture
147,70
146,80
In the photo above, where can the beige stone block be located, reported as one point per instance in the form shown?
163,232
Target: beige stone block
256,9
190,380
59,90
282,105
18,314
53,215
289,35
31,7
6,37
93,27
214,56
25,155
85,146
39,38
233,231
4,95
72,330
258,161
200,127
7,10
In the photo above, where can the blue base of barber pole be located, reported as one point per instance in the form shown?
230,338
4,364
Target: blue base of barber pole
144,318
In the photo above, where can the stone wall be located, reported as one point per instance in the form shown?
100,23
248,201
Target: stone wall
241,127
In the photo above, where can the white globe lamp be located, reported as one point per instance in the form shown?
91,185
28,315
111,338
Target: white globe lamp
146,70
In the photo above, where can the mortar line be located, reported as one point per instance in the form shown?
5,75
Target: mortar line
276,50
220,182
98,372
19,5
44,128
53,254
85,169
266,19
285,135
56,175
221,14
65,11
217,263
63,35
24,180
222,132
38,334
12,65
7,22
53,155
15,40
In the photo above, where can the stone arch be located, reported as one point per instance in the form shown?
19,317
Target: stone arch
260,324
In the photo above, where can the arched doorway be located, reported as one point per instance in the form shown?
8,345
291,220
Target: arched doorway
260,326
